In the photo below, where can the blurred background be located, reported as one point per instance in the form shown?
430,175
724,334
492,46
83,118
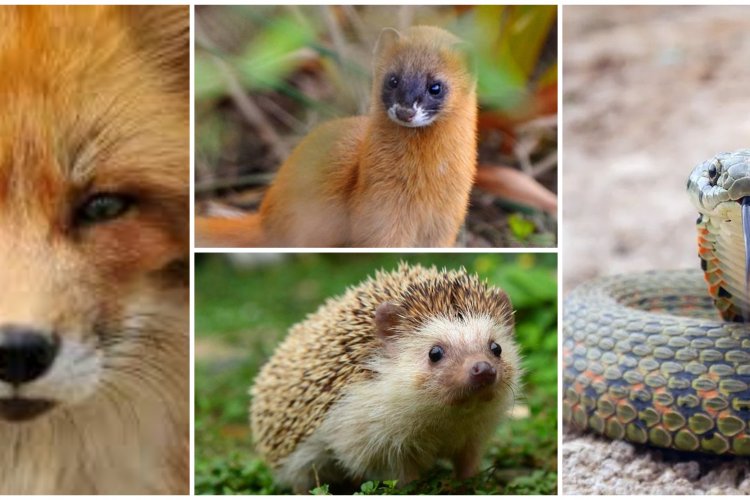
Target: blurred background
245,303
649,92
266,75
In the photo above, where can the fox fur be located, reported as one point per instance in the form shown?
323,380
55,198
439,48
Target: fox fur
366,181
95,99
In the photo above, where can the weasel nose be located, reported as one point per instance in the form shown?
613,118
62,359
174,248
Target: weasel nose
405,114
482,373
25,353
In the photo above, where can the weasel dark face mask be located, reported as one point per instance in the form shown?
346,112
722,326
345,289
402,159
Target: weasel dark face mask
412,99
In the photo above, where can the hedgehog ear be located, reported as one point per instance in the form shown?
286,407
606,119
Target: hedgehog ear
388,36
386,319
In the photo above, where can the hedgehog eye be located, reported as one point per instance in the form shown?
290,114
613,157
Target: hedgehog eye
496,349
436,354
393,82
435,89
713,174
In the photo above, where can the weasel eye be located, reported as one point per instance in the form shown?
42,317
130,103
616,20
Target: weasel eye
102,207
436,354
712,173
393,82
496,349
435,89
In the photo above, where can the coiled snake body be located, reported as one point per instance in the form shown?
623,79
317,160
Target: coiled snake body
663,358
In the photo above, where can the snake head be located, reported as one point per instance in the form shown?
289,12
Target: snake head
724,179
720,189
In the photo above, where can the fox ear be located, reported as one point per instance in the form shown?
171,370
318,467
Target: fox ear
388,36
163,34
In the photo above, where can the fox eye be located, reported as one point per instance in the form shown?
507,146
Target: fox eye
435,89
436,354
393,82
103,207
496,349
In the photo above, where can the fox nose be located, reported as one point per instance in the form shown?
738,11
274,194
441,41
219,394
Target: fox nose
482,374
25,353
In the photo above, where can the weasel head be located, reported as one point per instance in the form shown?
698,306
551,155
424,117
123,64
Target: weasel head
420,75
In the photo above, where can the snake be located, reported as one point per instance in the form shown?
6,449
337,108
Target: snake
662,358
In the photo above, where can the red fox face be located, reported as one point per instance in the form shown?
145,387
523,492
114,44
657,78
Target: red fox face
94,186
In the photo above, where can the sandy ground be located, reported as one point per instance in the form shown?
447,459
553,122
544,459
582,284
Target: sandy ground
648,93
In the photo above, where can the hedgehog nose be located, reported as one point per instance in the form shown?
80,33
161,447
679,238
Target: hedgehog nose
25,353
482,374
405,114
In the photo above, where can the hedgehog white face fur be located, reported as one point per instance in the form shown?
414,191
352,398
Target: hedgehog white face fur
403,369
450,361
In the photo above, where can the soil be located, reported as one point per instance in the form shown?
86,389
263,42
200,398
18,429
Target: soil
648,92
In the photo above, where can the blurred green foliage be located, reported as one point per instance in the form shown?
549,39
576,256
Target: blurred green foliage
243,313
263,63
508,42
521,227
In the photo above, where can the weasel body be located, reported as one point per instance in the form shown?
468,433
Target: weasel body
398,177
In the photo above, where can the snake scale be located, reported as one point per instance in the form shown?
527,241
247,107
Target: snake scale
663,358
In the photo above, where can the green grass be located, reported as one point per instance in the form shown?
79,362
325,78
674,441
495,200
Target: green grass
241,314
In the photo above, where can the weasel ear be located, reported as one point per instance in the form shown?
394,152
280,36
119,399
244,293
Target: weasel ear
387,38
162,32
386,319
468,55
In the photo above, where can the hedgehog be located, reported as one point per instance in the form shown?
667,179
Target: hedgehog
406,368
